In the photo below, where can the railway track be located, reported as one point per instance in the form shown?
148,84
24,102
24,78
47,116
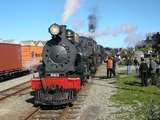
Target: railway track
14,90
63,112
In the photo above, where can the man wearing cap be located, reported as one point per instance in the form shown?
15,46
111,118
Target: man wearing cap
143,70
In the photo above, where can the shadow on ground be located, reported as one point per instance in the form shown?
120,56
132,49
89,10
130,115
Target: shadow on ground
30,100
133,83
100,77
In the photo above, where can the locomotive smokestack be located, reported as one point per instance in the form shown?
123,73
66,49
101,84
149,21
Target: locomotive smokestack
63,30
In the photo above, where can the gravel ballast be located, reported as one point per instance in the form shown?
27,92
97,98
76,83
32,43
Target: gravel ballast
98,105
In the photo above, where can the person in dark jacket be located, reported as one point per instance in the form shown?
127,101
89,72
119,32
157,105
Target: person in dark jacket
158,70
143,70
153,68
115,60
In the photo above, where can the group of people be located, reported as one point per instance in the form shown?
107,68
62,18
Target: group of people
148,69
111,66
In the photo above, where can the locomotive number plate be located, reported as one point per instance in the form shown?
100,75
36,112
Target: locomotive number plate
54,74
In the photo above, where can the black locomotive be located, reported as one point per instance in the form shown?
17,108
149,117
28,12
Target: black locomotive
68,61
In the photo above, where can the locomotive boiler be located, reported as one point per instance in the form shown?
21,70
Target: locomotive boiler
67,61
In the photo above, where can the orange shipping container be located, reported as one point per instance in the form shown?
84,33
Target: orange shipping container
31,55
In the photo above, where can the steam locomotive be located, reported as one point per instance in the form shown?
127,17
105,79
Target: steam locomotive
68,60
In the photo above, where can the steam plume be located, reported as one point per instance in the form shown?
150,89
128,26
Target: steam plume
70,7
133,39
130,30
123,29
77,23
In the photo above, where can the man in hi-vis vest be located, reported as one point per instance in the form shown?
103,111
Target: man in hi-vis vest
109,65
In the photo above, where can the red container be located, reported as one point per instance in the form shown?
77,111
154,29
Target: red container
64,83
10,57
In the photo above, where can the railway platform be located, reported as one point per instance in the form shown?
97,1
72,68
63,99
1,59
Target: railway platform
13,82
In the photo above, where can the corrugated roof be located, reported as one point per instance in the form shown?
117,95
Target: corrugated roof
33,43
25,42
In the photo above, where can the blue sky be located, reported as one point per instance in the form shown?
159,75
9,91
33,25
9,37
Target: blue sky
118,20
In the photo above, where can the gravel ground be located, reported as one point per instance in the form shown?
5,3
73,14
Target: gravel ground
16,107
11,83
98,105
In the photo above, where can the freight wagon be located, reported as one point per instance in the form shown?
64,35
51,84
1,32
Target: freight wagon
31,55
11,61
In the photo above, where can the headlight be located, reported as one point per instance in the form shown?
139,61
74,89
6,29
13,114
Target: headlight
54,29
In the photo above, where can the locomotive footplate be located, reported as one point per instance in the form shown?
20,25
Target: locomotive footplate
47,97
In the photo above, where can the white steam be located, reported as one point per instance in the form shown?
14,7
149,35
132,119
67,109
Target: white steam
77,24
123,29
70,7
130,30
133,39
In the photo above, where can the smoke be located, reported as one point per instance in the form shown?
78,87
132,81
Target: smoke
70,7
140,43
123,29
92,17
92,22
134,39
31,64
130,30
77,23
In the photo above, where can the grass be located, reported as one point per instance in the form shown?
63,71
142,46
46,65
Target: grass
135,99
